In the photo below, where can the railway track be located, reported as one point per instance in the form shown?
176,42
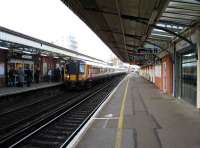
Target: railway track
57,128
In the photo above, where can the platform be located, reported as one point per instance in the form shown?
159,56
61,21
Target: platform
148,119
16,90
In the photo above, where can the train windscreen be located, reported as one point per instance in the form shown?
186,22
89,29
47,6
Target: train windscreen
82,68
72,68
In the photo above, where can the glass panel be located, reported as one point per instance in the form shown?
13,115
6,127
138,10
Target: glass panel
189,78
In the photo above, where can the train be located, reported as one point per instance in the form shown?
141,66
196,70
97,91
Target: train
79,73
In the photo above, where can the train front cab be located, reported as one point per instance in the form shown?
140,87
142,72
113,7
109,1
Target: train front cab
75,74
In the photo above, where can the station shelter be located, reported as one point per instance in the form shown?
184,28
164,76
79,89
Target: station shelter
11,58
176,72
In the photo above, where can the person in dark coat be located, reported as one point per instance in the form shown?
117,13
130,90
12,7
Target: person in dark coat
62,73
28,76
58,74
21,77
11,77
37,75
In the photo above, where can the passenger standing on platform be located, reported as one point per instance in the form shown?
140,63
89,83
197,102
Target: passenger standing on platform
62,73
29,76
49,75
37,75
21,77
11,77
57,74
54,74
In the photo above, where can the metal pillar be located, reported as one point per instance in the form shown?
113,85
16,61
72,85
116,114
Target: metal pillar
198,68
174,70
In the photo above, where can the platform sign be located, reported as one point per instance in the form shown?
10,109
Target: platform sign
148,50
27,57
2,69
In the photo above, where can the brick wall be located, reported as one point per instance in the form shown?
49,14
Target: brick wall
158,82
155,74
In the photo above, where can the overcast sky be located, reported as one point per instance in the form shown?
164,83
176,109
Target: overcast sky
51,20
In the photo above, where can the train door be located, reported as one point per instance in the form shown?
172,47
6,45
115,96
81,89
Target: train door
89,71
86,71
82,71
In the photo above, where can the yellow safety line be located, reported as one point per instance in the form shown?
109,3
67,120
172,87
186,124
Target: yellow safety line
118,138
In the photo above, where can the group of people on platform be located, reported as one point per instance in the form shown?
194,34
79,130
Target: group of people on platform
19,76
55,75
22,76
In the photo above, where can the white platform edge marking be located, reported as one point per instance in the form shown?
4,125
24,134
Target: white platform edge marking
83,131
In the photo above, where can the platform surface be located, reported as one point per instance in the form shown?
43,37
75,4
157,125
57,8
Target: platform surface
150,120
15,90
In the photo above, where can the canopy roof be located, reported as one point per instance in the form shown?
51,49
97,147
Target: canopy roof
136,30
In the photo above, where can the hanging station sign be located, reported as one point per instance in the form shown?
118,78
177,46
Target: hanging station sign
148,50
15,55
24,56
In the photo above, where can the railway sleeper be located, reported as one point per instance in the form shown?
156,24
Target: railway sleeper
64,128
72,121
75,118
58,132
51,137
68,124
40,143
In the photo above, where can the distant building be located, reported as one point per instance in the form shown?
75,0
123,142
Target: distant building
72,43
116,61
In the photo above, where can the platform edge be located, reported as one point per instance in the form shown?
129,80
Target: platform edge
83,131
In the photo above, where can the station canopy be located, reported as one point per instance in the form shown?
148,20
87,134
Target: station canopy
137,30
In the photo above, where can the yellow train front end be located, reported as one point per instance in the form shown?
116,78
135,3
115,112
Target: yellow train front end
76,74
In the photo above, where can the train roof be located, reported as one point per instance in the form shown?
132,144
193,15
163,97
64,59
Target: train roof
98,64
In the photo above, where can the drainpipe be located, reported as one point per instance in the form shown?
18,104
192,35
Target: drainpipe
198,68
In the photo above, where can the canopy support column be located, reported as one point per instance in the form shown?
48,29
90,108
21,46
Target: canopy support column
198,68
